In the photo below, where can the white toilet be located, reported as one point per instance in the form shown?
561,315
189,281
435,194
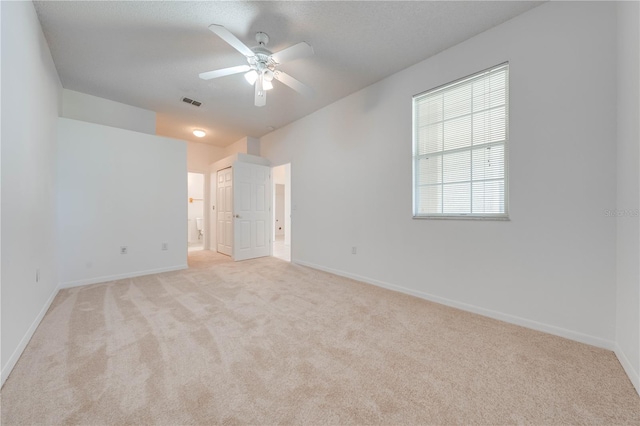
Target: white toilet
199,227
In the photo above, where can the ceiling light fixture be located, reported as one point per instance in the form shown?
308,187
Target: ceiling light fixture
251,77
199,133
267,77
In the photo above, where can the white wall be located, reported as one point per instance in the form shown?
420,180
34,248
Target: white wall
201,155
552,266
246,145
31,93
80,106
628,191
238,146
119,188
253,146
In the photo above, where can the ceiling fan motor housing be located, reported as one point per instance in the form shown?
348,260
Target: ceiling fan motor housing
262,61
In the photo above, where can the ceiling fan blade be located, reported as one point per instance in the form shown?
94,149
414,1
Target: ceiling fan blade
233,41
261,94
285,78
297,51
224,71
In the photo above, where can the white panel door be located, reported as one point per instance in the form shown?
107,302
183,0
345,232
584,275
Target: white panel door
224,198
252,199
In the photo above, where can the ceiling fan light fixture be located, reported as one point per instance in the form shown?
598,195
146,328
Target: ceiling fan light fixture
251,77
267,78
199,133
262,65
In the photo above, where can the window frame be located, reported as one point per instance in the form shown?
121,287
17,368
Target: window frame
462,216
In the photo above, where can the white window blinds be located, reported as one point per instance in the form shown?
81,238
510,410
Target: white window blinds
460,136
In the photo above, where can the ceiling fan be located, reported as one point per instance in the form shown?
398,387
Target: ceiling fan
262,67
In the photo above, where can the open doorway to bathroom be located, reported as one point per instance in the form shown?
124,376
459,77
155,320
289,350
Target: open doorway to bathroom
195,211
281,212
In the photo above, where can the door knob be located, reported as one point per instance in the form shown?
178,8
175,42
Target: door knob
213,207
238,216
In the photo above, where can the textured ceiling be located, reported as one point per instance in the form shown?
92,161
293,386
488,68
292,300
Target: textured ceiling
149,54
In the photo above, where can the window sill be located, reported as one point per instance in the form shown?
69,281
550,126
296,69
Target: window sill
469,217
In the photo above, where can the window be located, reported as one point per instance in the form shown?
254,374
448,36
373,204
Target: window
460,139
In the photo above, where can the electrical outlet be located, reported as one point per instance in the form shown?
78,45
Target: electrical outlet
165,246
37,274
123,249
354,250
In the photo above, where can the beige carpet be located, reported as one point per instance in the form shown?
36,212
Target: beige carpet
266,342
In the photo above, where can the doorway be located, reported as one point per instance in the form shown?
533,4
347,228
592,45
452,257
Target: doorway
281,217
195,211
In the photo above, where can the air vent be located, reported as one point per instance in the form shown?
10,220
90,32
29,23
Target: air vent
192,102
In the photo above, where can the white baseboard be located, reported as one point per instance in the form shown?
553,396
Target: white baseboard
634,376
524,322
116,277
13,359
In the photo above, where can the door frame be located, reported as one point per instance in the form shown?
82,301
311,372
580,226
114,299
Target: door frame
288,205
206,202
